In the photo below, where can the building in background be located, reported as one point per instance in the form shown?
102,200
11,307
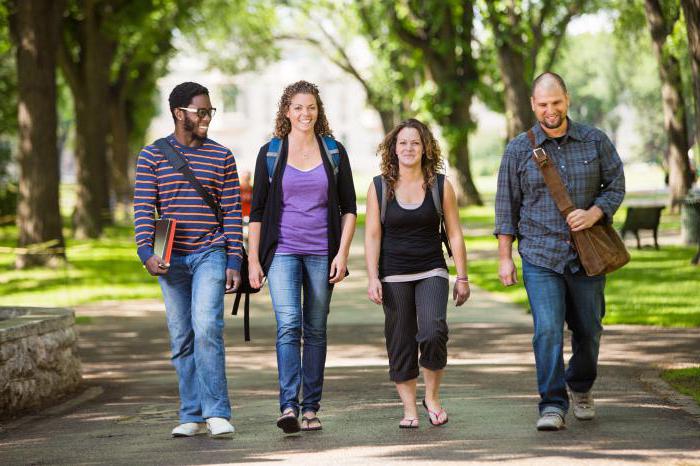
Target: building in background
247,104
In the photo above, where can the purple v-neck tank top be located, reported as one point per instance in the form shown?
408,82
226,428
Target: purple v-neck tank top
304,216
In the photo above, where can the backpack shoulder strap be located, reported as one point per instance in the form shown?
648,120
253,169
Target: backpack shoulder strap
273,154
179,163
436,191
381,188
330,146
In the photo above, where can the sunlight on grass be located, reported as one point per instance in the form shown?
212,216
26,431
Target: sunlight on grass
97,270
686,381
655,288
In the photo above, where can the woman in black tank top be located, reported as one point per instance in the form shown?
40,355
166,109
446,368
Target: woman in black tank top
407,271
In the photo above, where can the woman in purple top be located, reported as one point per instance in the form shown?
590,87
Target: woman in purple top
301,223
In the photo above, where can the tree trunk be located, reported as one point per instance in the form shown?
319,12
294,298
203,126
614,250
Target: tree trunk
680,176
88,76
121,158
388,119
691,10
91,166
36,24
517,93
455,131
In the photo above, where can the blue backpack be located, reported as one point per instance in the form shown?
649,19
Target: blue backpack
330,147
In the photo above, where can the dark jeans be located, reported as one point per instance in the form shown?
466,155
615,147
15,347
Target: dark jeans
578,300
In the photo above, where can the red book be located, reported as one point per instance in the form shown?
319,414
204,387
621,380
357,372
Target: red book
163,242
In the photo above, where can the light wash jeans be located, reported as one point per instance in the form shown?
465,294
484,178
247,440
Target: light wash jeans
578,300
288,275
193,291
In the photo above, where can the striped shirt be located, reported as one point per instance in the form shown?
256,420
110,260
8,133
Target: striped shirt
590,169
160,188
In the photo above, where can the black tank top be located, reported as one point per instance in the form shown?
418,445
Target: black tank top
411,239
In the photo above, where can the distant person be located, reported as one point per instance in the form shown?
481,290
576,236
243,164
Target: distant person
206,257
301,224
246,194
557,286
246,201
406,267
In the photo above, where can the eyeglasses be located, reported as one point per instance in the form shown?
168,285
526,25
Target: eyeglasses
201,112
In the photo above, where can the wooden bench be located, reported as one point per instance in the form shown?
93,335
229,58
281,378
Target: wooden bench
642,217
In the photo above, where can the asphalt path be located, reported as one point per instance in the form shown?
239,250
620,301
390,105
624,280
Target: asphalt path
128,404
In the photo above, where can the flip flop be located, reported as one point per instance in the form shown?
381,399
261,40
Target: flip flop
305,421
288,422
435,414
412,423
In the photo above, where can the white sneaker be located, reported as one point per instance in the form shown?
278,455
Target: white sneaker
188,429
219,427
584,406
551,421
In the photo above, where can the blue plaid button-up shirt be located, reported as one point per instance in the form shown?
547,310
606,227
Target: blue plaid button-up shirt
592,172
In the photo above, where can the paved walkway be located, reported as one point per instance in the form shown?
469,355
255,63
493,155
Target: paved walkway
127,413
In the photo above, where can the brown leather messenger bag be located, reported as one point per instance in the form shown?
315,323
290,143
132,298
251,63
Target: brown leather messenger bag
599,248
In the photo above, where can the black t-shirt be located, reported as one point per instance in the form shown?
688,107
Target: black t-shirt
411,239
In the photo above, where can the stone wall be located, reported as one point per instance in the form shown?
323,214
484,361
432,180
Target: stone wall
38,357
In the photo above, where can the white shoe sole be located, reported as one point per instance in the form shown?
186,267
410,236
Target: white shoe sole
220,435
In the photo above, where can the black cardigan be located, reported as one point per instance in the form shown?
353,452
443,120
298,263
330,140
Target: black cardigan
267,200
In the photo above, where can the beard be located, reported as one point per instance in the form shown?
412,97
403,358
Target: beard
557,123
190,127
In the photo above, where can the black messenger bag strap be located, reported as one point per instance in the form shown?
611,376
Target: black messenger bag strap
179,163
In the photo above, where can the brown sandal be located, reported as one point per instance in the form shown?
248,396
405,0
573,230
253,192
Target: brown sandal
307,421
288,422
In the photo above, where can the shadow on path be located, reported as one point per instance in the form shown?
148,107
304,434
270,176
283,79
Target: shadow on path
489,392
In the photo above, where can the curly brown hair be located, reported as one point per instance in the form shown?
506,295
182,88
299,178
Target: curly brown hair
282,124
431,162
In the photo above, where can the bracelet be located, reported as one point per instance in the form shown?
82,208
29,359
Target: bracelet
462,279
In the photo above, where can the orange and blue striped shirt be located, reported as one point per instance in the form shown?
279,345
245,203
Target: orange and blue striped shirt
160,188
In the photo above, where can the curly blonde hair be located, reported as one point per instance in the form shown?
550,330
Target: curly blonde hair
431,162
282,124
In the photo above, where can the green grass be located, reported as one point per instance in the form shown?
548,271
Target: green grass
97,270
655,288
686,381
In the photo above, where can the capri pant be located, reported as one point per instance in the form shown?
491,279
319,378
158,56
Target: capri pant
415,318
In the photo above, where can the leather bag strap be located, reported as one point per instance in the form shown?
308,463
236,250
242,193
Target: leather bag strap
551,177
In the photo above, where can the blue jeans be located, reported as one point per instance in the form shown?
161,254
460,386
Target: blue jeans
288,274
193,291
578,300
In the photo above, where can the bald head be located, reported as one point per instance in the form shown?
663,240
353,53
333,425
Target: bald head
550,82
550,102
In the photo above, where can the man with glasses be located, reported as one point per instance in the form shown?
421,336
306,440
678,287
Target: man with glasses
206,255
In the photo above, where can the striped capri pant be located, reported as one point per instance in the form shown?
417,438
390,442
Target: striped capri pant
415,318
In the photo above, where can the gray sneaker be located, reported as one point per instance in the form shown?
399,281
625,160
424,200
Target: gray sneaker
584,406
551,421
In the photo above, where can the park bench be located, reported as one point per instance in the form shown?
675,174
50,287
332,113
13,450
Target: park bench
642,217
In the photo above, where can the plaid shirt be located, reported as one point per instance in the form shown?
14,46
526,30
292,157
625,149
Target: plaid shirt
592,173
